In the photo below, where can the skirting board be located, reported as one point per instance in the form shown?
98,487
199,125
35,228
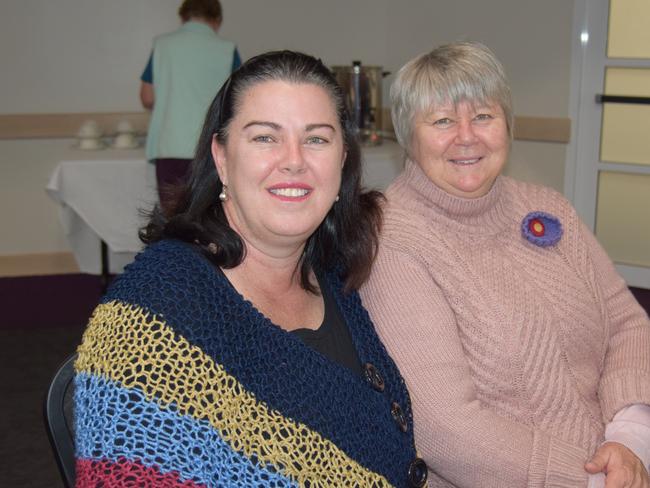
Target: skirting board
37,264
36,126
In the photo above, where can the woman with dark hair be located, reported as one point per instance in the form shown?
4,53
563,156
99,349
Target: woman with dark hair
235,350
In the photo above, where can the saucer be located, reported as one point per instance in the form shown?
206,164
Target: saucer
125,141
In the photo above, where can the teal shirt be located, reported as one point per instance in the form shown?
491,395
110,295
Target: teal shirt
147,74
189,66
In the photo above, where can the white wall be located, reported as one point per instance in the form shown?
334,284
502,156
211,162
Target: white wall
530,37
77,55
337,31
87,56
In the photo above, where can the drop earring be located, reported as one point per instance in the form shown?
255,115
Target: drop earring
336,199
223,196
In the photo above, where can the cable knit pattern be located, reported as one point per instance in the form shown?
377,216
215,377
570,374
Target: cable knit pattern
515,354
181,382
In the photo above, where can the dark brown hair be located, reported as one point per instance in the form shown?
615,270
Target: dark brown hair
201,9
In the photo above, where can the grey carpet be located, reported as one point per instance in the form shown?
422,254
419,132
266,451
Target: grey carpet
28,359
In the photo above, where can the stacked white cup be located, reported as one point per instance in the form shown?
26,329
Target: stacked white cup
125,137
89,136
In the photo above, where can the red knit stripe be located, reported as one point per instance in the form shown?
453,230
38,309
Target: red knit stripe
125,473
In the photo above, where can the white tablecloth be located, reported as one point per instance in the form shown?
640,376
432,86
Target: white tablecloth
102,200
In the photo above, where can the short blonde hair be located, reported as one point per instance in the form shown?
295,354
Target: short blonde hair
460,71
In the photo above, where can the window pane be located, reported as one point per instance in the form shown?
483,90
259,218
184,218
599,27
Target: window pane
629,35
622,223
625,134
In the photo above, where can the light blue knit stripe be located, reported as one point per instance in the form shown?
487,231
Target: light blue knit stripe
113,422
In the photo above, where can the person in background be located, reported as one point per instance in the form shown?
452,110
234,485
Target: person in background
185,70
526,356
235,350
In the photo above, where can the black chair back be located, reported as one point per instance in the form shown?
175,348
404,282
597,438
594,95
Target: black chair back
59,420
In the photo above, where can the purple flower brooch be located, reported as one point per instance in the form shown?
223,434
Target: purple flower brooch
541,229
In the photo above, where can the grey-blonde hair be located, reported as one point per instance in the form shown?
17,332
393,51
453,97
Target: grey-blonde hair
460,71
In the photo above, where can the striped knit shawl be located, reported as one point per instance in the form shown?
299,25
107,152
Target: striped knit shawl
182,382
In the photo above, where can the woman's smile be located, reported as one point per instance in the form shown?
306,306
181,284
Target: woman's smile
291,191
465,161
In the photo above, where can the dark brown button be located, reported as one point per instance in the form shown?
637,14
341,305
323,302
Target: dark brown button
373,377
398,414
417,474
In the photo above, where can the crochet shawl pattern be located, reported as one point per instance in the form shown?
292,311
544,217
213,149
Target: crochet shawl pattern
182,382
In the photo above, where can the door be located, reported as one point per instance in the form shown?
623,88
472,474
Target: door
608,167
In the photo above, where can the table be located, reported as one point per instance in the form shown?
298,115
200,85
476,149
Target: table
100,201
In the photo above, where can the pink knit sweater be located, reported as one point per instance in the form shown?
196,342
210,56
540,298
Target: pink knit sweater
515,355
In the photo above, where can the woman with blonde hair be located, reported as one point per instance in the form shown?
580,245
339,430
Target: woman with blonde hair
522,348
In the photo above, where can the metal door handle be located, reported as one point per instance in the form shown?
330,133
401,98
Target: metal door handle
622,99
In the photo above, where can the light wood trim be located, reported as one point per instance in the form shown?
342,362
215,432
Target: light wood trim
38,264
540,129
36,126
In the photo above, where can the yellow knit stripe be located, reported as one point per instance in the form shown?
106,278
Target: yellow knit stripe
138,350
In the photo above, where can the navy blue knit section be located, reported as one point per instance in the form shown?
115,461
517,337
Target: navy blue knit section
172,280
364,337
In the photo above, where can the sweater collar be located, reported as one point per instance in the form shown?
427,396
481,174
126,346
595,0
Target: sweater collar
484,214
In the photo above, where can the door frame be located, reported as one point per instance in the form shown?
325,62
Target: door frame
582,165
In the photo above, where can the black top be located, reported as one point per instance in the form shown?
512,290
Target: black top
332,339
